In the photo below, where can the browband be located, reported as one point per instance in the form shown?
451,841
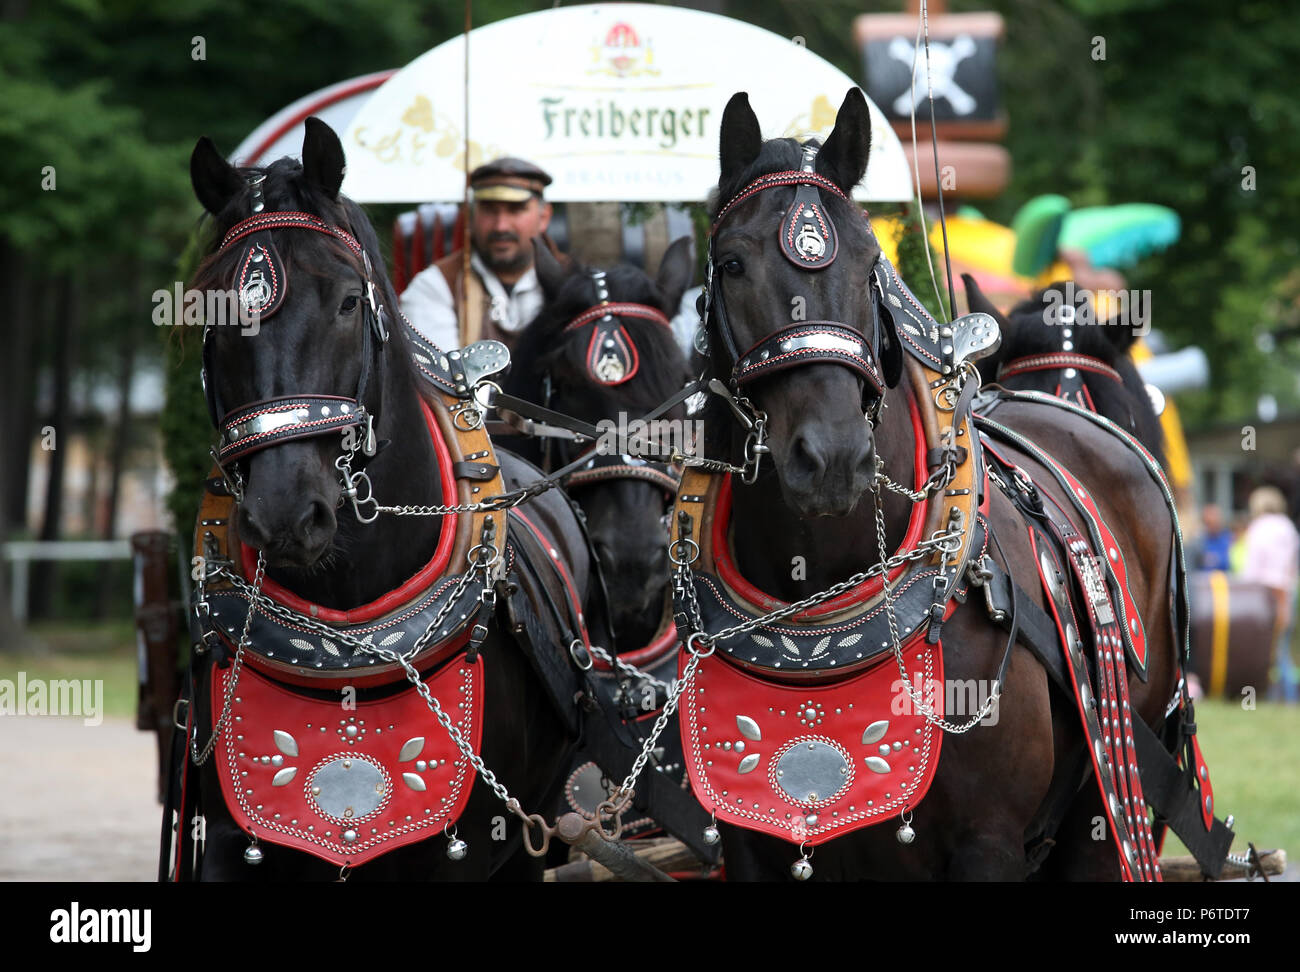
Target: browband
612,356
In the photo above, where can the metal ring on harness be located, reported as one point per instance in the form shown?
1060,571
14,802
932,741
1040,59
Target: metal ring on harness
696,638
176,718
577,657
473,558
535,819
672,549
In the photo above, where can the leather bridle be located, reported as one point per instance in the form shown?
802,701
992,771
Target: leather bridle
262,284
809,240
612,358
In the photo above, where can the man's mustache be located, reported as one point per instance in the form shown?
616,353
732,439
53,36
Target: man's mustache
502,237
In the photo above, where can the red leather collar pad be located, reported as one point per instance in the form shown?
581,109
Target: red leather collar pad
811,763
346,786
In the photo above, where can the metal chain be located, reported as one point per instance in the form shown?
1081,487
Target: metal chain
629,669
925,548
272,607
926,710
625,789
202,757
403,659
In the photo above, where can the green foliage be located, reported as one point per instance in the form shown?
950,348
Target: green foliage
1188,95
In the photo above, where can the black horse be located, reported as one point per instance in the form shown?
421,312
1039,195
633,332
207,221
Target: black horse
813,505
293,509
555,363
1088,363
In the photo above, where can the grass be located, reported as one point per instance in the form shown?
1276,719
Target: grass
59,650
1254,760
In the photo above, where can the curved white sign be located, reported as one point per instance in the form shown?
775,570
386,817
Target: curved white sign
616,101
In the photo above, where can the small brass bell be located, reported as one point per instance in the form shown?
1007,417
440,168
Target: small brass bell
711,835
801,870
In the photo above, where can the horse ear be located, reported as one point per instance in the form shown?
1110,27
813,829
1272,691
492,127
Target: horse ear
979,304
676,273
741,139
214,179
323,163
843,159
552,270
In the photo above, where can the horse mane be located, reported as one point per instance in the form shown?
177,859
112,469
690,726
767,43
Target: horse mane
1030,333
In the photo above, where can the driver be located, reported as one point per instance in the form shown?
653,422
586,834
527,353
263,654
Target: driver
503,294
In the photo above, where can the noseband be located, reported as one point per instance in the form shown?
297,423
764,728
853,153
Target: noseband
809,240
262,285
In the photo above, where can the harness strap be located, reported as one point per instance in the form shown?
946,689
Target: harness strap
1055,360
1166,785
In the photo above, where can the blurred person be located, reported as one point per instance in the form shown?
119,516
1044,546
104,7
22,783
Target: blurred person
1215,542
1272,558
502,294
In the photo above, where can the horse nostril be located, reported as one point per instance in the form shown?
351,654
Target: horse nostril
318,518
808,454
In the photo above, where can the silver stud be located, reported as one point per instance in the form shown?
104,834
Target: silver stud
285,742
748,764
749,728
875,731
410,749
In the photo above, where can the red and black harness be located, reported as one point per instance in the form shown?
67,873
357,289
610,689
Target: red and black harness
779,729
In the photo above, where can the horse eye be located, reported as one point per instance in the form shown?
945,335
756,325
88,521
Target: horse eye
349,304
733,267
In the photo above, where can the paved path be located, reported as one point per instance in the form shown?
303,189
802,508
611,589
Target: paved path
76,801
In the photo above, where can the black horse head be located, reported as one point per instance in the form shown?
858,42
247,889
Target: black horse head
595,369
318,342
1033,337
822,444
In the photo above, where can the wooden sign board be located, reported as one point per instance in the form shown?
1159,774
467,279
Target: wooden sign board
963,73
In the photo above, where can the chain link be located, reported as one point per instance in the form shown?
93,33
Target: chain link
236,666
629,669
270,606
921,706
